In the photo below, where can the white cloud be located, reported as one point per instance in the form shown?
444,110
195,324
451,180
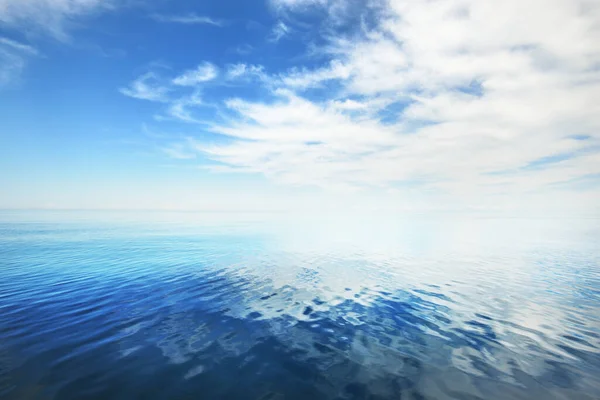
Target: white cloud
297,3
494,87
180,107
236,70
241,71
146,87
460,98
50,16
21,47
304,79
203,73
279,31
13,59
244,49
180,94
337,11
188,19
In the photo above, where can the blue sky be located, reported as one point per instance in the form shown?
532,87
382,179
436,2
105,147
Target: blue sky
300,104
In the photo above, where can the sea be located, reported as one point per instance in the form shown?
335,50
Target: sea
215,305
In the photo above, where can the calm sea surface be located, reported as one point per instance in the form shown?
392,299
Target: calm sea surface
217,306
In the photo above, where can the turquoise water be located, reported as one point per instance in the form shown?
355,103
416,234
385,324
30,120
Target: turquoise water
257,306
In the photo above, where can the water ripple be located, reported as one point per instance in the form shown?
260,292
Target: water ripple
98,310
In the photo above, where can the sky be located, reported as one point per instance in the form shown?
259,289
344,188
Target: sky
400,106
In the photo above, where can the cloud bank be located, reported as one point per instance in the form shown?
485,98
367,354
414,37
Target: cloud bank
472,98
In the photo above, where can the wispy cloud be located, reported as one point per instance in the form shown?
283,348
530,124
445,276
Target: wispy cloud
241,71
13,59
181,108
179,151
18,46
188,19
48,16
305,79
181,93
337,11
298,3
146,87
244,49
279,31
203,73
39,17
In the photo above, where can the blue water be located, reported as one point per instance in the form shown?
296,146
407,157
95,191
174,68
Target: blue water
215,306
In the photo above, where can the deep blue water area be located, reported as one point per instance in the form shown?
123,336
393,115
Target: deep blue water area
215,306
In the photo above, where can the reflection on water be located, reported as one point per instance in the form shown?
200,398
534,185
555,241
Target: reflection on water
258,307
